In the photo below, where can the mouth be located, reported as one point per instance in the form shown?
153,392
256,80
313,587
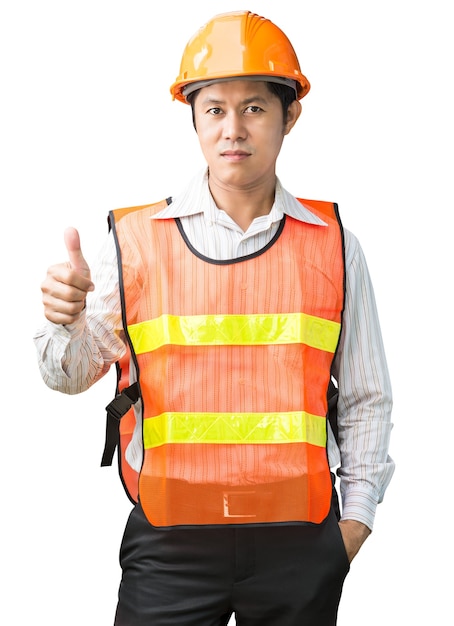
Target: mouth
235,155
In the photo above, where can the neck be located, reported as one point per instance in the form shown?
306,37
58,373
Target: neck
244,205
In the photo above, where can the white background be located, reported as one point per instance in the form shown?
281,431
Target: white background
87,125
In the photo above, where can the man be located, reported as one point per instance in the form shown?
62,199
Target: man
228,309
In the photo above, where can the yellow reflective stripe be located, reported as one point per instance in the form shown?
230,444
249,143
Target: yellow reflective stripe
237,428
215,330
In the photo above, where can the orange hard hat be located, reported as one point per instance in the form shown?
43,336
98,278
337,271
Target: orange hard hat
238,44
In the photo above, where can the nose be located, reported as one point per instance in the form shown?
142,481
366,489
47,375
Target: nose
234,127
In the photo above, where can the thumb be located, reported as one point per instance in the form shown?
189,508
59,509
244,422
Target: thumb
75,256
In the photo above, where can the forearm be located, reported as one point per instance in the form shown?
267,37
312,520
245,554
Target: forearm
365,469
71,359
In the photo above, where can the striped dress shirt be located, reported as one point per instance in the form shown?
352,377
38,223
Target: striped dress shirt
73,357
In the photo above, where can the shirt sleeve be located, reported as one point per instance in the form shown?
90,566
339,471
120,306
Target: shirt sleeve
73,357
365,395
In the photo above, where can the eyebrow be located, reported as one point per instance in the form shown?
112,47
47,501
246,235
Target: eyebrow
244,102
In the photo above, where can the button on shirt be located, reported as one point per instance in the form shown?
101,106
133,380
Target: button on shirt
73,357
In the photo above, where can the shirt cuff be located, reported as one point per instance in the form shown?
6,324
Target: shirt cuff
360,505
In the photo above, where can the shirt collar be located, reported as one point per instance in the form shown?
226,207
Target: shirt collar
196,199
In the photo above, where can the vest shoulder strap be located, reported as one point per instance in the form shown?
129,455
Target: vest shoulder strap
117,214
330,209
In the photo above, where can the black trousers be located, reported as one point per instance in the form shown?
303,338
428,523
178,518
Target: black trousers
267,576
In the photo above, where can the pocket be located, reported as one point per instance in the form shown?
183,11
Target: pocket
340,545
343,549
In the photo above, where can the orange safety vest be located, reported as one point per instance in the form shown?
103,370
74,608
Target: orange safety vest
233,362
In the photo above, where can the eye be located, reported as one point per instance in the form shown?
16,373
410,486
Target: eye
253,108
214,111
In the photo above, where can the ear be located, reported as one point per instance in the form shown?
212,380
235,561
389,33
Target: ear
293,113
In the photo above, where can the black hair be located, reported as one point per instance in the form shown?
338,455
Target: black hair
285,94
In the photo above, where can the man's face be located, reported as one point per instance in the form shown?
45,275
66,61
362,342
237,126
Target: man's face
240,128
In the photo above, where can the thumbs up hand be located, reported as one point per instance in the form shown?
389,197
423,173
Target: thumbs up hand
67,284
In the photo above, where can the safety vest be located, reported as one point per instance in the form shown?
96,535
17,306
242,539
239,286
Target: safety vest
228,369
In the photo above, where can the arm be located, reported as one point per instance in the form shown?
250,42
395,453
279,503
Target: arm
364,404
83,334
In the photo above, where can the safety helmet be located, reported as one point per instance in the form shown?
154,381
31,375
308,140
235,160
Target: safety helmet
239,44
